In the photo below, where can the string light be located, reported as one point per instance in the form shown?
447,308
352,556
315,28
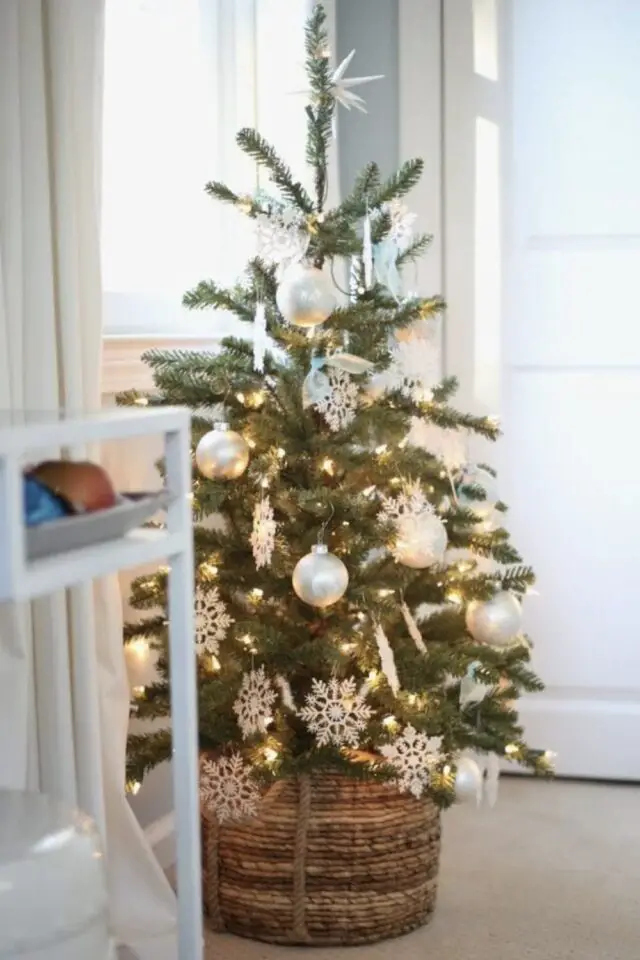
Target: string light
403,443
264,483
251,443
270,754
369,491
257,399
446,770
373,676
208,571
381,449
214,664
395,480
454,597
328,466
257,593
138,691
345,523
133,787
141,401
390,723
281,452
385,592
139,647
511,749
244,204
347,647
412,699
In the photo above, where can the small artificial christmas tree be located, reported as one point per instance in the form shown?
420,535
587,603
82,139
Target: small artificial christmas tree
357,600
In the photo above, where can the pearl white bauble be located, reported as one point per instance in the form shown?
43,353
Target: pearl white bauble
222,454
320,578
305,295
468,782
496,622
421,542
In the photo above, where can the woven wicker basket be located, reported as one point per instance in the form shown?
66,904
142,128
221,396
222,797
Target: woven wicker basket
328,861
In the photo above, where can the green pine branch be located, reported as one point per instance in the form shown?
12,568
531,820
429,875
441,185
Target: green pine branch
260,150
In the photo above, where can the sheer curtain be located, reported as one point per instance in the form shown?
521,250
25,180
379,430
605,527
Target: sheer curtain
64,697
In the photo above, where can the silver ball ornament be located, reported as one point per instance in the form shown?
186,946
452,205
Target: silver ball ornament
305,295
496,622
320,578
222,454
468,782
421,542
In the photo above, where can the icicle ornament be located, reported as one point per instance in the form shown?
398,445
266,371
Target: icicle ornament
387,660
367,251
259,336
412,627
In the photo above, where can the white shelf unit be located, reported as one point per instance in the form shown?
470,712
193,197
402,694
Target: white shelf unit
23,580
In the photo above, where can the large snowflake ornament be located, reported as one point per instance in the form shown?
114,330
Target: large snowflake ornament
227,788
414,368
413,755
263,535
410,504
336,712
339,401
402,220
450,446
281,238
212,620
254,703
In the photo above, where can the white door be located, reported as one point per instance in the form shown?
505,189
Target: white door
570,392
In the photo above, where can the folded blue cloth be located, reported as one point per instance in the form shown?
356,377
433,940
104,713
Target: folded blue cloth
40,504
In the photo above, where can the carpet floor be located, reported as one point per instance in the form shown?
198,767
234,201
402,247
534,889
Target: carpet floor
552,873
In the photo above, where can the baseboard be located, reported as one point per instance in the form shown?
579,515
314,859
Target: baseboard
161,836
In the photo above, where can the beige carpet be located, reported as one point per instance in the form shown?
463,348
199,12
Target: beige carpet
553,873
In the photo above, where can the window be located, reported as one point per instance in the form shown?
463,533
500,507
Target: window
181,77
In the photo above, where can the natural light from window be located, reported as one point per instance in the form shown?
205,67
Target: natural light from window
181,77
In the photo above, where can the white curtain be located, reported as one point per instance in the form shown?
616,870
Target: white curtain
64,696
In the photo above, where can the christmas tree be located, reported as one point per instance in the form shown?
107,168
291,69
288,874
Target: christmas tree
358,600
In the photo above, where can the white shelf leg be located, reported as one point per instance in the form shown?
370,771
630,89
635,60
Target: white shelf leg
184,703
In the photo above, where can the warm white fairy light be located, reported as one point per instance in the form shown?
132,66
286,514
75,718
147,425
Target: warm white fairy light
270,754
138,691
385,592
390,723
281,452
251,443
454,597
381,449
139,647
257,593
141,401
208,570
347,647
133,787
240,397
328,466
511,749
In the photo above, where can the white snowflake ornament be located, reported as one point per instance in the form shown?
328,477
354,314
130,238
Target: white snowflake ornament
227,788
414,370
254,703
211,619
336,712
339,401
263,534
402,221
280,238
410,504
413,755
